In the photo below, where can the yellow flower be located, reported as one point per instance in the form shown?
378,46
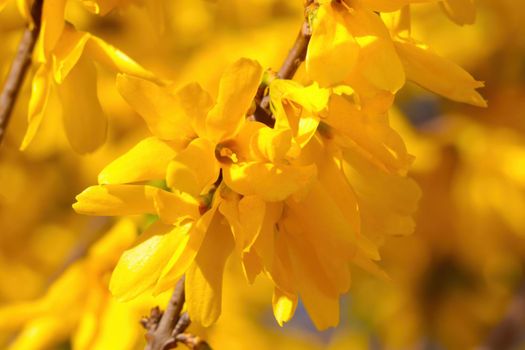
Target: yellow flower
351,45
195,141
301,202
68,73
360,196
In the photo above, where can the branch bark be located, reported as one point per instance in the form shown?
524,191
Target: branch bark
161,325
166,329
19,67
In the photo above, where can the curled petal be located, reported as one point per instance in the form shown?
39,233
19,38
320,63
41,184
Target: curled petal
284,305
176,207
157,106
204,278
67,54
270,182
140,266
184,255
297,107
84,120
113,200
115,59
51,27
439,75
194,169
40,93
147,160
332,51
238,86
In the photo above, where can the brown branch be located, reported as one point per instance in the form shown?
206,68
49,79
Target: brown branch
291,64
297,53
167,329
161,325
19,67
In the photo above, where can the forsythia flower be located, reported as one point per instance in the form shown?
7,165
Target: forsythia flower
352,45
72,75
300,201
64,59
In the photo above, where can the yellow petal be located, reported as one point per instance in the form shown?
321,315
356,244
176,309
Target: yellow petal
140,267
115,200
183,256
51,27
252,265
386,201
84,121
301,116
157,106
24,7
322,305
147,160
270,182
196,103
332,51
40,91
439,75
252,210
175,207
272,144
329,253
284,305
460,11
115,59
368,128
237,88
67,54
378,62
245,216
265,242
194,169
334,182
204,278
280,267
318,214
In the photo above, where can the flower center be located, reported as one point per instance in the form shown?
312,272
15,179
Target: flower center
225,154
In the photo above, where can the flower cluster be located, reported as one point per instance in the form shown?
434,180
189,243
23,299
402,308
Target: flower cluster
301,199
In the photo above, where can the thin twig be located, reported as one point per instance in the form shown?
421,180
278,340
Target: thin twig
297,53
19,67
160,334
